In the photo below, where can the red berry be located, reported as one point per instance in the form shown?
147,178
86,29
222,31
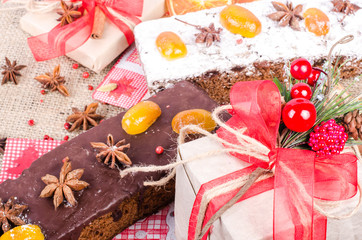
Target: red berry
31,122
313,77
86,75
328,138
159,150
41,100
50,138
66,138
42,92
300,69
66,126
75,65
46,137
90,87
301,90
299,115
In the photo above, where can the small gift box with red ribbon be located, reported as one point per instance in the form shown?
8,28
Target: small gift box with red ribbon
239,184
51,39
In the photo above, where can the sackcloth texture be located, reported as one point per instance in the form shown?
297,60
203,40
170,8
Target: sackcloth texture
22,102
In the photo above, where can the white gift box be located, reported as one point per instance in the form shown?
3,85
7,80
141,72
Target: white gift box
251,219
94,54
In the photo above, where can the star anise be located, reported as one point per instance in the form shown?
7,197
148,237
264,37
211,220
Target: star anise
69,13
345,6
10,213
2,145
87,118
64,186
53,81
207,35
287,15
112,152
11,70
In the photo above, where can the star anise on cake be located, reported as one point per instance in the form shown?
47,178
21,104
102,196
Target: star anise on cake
69,14
53,81
2,145
287,15
109,151
207,35
11,71
10,214
87,118
345,6
64,186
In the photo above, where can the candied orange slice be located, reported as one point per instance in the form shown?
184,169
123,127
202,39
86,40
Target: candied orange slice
199,117
140,117
179,7
316,21
24,232
240,20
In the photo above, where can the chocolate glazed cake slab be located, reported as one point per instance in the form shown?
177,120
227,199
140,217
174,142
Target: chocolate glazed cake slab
107,195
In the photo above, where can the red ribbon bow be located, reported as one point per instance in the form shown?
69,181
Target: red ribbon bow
299,177
62,40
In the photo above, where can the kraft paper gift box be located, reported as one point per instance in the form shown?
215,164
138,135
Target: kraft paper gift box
94,54
250,219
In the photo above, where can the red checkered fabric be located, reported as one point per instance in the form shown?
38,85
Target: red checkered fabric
153,227
20,153
127,70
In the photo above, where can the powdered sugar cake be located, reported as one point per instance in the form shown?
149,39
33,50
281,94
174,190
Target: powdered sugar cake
234,58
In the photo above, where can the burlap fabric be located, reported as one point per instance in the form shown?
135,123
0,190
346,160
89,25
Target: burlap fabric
22,102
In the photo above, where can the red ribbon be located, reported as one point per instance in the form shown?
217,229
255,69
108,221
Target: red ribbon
62,40
299,177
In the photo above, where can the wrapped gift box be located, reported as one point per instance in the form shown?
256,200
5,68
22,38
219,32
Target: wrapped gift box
94,54
251,219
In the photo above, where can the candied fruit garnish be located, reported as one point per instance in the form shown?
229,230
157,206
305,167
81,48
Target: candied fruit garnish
140,117
24,232
240,20
316,21
199,117
171,46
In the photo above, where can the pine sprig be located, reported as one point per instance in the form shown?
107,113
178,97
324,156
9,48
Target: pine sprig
329,103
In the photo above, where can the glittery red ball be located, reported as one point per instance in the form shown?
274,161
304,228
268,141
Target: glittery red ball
66,138
43,92
159,150
90,87
31,122
86,75
299,115
75,65
300,68
328,138
46,137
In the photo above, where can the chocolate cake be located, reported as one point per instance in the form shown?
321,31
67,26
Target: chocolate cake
217,67
109,204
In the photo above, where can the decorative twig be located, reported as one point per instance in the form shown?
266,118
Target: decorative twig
344,40
196,26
